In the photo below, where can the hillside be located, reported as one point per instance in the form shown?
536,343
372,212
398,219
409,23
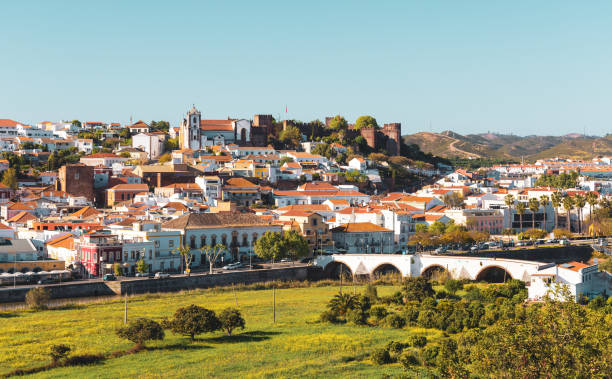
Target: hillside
449,144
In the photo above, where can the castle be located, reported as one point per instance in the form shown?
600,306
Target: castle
388,138
196,133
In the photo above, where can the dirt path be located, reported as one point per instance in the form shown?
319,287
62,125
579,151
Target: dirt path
453,148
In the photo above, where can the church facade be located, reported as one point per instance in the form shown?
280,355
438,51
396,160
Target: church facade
197,134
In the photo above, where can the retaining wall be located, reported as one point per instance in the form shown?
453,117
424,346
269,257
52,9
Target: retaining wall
146,285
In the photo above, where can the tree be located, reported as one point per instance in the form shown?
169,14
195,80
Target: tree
365,121
9,178
117,269
592,199
38,298
534,234
59,352
193,320
544,201
171,144
520,210
76,123
270,246
186,255
437,228
453,285
421,228
556,200
341,303
295,244
285,160
165,158
125,154
568,205
562,233
338,123
231,319
291,136
142,267
417,289
534,206
212,253
580,202
453,200
141,330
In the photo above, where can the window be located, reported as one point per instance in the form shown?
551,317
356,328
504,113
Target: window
202,240
150,254
213,240
192,243
314,221
171,243
245,241
224,239
156,243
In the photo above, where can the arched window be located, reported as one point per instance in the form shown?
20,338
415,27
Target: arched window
254,238
192,242
245,240
213,240
224,239
202,240
243,135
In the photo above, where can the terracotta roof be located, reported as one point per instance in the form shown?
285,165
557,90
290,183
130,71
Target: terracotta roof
183,186
303,207
314,186
22,217
575,266
86,212
297,213
176,205
131,187
360,227
7,122
17,206
239,182
101,155
65,240
221,125
214,220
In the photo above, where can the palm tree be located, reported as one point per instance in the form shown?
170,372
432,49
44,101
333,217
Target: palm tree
534,206
580,202
187,257
520,209
591,198
568,205
556,199
544,200
509,200
341,303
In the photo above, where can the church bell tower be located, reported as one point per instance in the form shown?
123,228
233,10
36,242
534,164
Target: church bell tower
190,135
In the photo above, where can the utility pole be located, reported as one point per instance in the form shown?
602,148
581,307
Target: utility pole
125,308
274,305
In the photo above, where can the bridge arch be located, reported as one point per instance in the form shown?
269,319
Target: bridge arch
335,269
385,269
493,274
434,270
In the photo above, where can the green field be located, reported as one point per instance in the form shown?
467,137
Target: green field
295,346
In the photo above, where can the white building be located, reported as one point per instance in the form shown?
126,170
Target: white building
196,133
211,185
581,280
151,143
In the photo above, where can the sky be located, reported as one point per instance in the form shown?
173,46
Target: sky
520,67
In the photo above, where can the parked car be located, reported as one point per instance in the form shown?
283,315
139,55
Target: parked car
161,275
305,260
254,267
143,275
285,260
564,242
552,240
47,281
440,250
109,277
232,266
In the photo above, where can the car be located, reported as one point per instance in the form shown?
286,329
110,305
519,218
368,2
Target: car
285,260
254,267
47,281
474,248
109,278
564,242
552,240
232,266
440,250
142,275
161,275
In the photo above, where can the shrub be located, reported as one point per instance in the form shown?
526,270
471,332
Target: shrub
429,354
38,298
193,320
417,288
231,319
84,359
411,313
417,341
371,293
59,352
330,316
357,316
380,356
378,312
141,330
395,349
341,303
453,285
394,320
408,359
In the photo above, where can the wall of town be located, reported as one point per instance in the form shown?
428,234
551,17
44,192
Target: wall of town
541,254
172,284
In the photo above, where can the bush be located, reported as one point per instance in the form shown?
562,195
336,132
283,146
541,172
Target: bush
417,288
59,352
330,316
38,298
395,349
141,330
408,359
394,320
378,312
411,313
357,316
193,320
84,359
231,319
417,341
429,354
371,293
453,285
380,356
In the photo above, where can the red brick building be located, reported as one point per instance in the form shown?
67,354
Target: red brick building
97,248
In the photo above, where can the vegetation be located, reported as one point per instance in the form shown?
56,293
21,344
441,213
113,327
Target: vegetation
231,319
167,157
193,320
365,121
142,267
141,330
276,245
38,298
9,178
561,181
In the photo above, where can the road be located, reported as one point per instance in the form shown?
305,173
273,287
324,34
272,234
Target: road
200,271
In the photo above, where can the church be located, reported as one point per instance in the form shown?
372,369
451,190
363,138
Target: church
197,134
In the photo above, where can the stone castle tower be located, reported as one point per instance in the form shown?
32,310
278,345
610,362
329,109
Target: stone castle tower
393,131
189,132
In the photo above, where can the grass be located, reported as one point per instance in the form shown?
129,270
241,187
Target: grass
297,345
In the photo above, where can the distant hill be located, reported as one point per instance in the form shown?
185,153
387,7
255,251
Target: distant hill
449,144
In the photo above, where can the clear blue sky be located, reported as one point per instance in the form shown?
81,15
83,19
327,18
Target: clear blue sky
526,67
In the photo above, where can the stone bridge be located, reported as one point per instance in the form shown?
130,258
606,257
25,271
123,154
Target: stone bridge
474,268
